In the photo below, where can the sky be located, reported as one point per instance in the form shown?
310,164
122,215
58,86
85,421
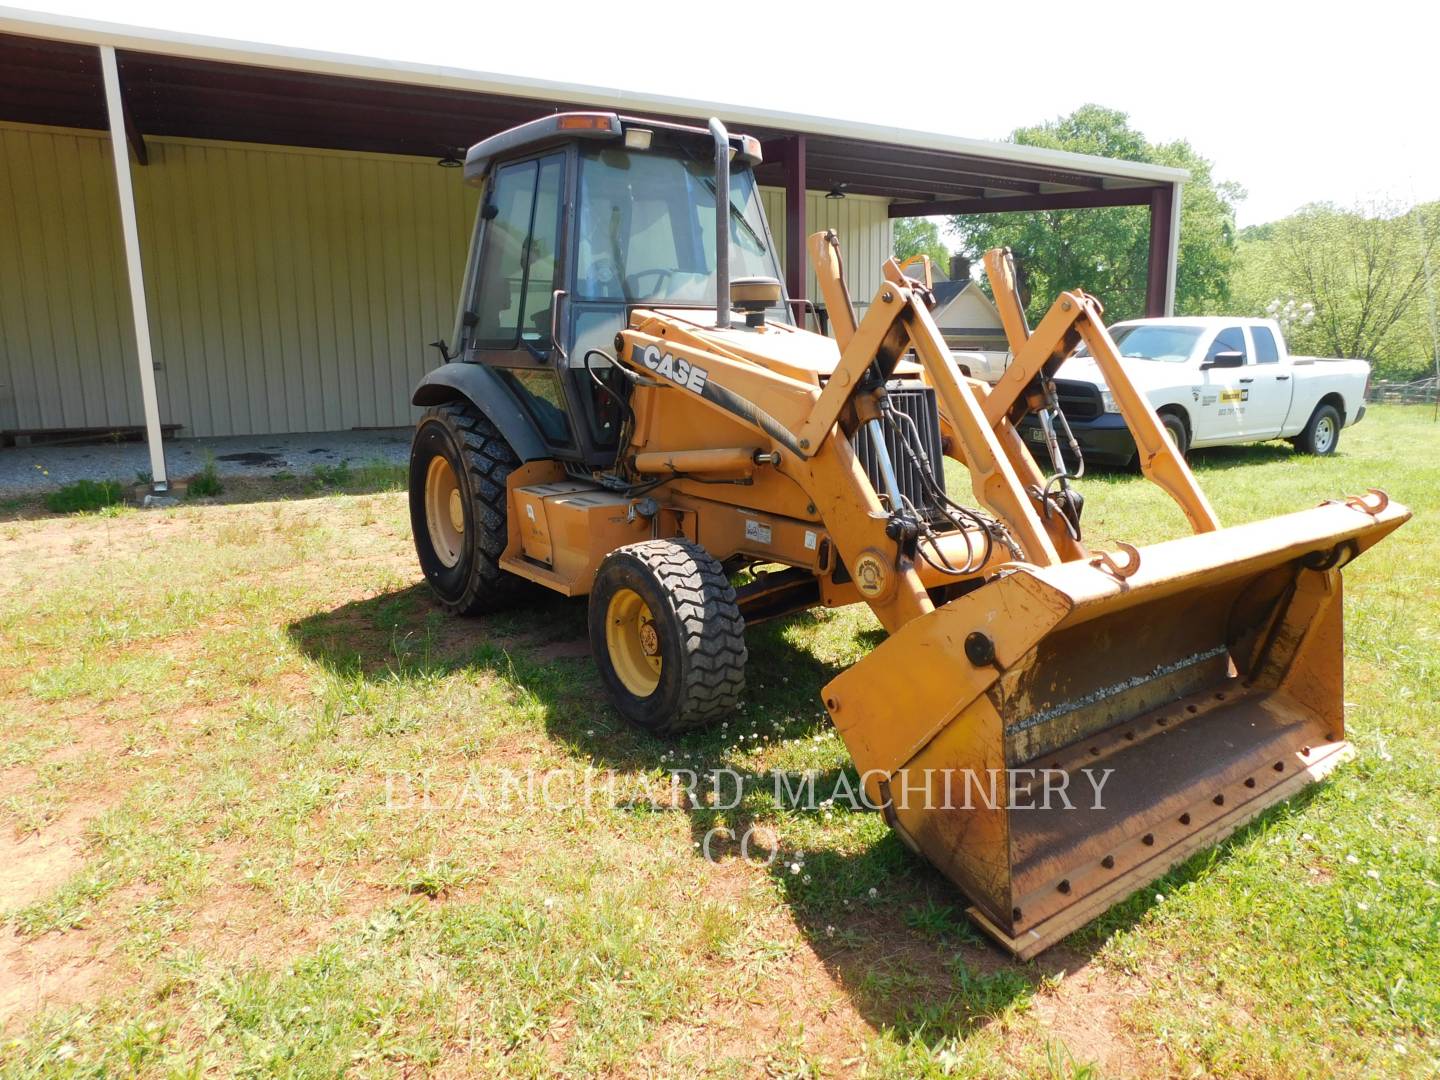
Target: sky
1295,102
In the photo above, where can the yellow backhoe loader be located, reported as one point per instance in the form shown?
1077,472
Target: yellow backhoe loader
630,412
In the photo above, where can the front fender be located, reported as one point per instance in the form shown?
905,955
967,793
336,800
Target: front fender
483,388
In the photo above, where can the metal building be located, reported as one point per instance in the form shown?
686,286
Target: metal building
206,237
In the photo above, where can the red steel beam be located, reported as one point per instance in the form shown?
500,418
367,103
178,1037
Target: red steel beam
1158,268
795,217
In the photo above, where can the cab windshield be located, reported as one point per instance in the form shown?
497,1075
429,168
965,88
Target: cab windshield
647,228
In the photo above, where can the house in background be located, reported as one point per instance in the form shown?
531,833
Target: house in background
971,326
967,318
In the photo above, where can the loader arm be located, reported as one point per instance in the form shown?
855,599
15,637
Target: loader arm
808,430
1073,318
799,423
830,276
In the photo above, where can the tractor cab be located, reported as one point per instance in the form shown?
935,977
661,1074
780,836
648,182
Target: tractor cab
584,217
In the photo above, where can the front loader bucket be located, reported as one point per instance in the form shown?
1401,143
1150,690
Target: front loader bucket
1060,736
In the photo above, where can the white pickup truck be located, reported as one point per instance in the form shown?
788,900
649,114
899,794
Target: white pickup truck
1214,381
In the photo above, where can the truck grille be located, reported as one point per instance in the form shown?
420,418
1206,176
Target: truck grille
1078,401
917,401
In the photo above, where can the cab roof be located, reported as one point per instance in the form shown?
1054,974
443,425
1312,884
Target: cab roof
569,126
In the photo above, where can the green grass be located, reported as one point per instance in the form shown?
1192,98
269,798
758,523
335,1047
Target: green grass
282,776
206,483
83,496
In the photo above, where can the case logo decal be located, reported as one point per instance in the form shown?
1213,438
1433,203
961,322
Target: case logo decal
675,368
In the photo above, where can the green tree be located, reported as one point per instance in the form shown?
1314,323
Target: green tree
1105,251
921,236
1363,272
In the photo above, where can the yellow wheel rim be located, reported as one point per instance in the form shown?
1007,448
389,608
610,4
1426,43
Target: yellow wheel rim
633,641
444,511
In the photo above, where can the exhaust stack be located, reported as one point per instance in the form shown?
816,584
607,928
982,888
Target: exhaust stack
722,223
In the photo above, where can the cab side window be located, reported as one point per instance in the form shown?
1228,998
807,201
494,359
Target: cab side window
1265,350
516,275
1231,339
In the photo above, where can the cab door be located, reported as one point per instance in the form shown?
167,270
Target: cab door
511,312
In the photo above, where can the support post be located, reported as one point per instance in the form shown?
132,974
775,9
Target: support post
130,231
795,223
1176,201
1164,251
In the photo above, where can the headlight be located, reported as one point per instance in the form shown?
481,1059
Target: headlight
1107,401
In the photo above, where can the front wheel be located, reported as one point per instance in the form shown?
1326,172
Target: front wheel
667,635
1176,432
459,463
1322,433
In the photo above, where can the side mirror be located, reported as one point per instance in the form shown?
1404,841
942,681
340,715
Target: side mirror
1229,359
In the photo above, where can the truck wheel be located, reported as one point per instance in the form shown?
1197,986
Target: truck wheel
667,635
1175,428
459,462
1322,433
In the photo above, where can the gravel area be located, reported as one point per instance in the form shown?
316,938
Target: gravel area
30,469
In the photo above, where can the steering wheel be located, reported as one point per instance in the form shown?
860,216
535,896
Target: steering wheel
604,273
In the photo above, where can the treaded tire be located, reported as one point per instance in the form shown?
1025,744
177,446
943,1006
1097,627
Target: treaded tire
1178,432
481,460
700,631
1315,439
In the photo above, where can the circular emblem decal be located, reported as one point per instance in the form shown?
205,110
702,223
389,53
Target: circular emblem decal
872,574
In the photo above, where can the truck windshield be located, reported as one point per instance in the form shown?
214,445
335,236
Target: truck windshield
1173,344
647,229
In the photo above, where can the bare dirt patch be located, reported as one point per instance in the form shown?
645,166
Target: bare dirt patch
53,969
1085,1014
38,864
577,649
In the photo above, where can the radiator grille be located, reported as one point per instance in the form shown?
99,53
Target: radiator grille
917,401
1079,401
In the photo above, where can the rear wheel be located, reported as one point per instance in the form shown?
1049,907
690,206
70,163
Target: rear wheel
459,463
1322,433
667,635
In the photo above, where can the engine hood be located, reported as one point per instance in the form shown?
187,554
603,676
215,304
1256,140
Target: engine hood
1145,373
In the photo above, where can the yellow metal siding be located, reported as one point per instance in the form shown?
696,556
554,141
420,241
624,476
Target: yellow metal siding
863,225
290,289
67,356
296,290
